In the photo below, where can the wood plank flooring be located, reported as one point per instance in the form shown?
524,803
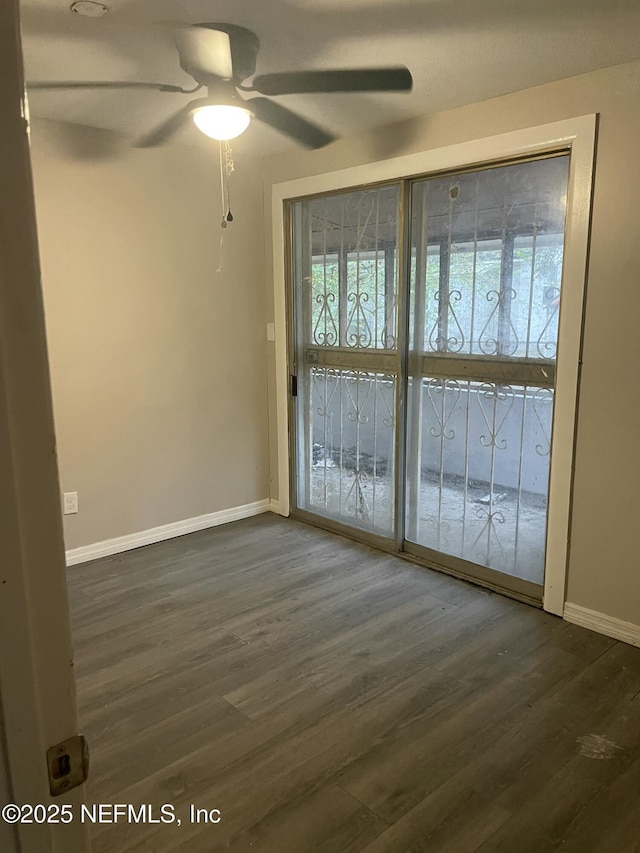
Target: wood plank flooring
327,697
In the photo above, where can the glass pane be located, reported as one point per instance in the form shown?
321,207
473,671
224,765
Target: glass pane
351,241
537,274
345,311
486,277
346,448
480,471
488,252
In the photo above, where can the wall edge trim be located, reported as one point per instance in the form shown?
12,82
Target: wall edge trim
119,544
628,632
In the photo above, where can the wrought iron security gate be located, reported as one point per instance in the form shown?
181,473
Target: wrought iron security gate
422,420
346,356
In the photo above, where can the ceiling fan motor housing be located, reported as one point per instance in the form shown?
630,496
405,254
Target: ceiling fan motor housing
244,49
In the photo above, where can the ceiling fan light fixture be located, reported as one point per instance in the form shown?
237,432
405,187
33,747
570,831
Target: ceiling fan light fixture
222,121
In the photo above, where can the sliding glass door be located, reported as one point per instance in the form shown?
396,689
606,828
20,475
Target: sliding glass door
346,357
487,252
424,407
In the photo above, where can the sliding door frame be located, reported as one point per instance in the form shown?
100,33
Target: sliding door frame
576,135
388,361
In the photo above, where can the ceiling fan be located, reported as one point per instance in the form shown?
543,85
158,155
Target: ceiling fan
221,57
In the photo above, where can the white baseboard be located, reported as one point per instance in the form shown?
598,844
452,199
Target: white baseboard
166,531
628,632
274,506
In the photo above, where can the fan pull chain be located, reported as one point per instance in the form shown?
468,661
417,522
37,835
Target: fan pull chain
226,169
223,224
229,168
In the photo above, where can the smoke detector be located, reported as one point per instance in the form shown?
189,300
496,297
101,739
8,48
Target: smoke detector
89,8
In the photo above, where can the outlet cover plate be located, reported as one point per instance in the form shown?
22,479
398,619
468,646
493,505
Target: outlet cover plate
70,503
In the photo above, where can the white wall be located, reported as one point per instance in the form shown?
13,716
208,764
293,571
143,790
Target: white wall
157,360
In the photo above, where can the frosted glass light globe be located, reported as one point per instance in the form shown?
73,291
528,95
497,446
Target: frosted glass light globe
222,121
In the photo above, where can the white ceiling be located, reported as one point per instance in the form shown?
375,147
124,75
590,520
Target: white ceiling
459,51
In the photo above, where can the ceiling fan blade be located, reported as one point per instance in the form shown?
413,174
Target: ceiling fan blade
166,130
204,50
340,80
289,123
107,84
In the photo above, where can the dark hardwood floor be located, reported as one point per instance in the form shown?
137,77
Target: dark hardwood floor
327,697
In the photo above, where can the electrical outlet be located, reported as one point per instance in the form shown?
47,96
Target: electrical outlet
271,331
70,503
